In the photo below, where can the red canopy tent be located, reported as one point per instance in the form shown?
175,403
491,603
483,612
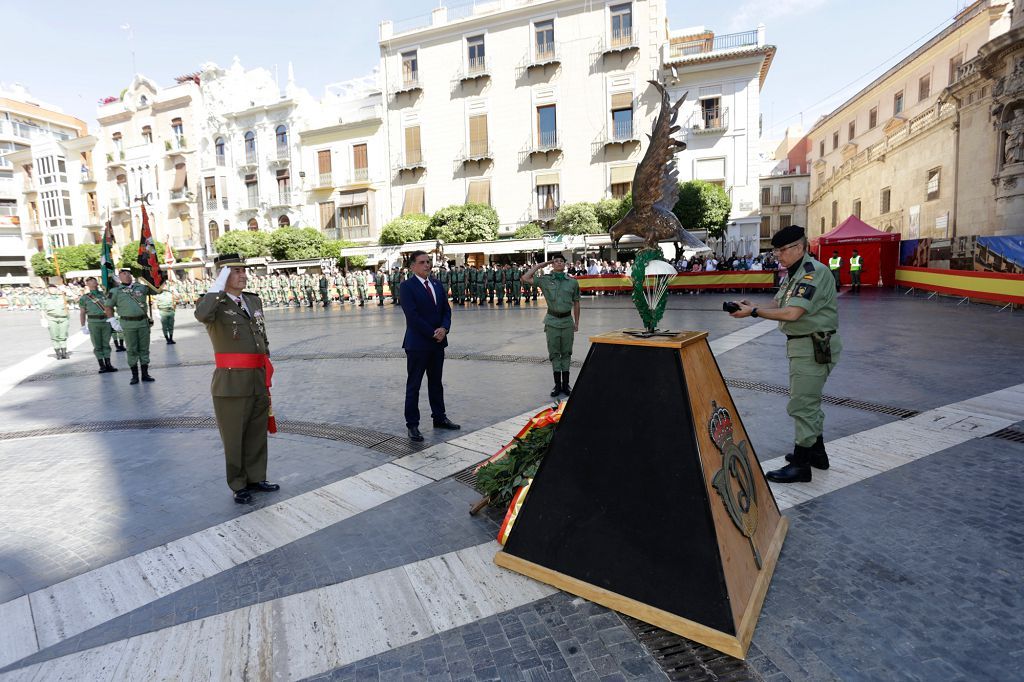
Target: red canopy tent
879,251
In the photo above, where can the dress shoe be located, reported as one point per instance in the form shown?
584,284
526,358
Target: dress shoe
446,423
415,435
243,496
264,487
818,457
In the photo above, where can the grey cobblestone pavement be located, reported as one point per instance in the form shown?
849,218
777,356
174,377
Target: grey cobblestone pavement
911,574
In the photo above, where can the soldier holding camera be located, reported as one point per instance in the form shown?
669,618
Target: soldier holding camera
806,310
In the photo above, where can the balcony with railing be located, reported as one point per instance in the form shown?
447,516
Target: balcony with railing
476,67
323,180
115,160
708,121
176,145
620,40
250,204
29,186
408,83
249,161
283,197
621,132
546,215
212,205
360,175
695,47
93,220
281,157
476,152
542,55
544,142
967,69
411,161
119,205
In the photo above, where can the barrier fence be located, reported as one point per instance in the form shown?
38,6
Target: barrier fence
986,286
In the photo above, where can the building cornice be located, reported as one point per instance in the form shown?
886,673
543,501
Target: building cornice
261,109
459,26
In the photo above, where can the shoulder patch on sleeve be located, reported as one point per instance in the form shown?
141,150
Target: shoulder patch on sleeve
808,267
804,291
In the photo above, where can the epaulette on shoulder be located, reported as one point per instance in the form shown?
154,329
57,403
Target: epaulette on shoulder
808,267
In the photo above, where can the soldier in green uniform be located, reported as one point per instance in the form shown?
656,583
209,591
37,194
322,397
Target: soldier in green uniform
54,317
93,318
361,280
307,289
489,280
129,300
165,304
393,281
350,286
517,284
806,311
562,295
378,285
511,278
241,381
457,279
323,285
444,277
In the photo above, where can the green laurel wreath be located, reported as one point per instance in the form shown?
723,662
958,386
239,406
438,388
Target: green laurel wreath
651,318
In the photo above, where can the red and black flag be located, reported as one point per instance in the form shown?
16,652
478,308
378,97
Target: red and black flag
107,265
147,252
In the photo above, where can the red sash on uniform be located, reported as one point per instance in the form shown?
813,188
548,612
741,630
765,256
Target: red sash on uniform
250,361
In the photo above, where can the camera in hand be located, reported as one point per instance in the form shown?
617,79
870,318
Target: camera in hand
730,306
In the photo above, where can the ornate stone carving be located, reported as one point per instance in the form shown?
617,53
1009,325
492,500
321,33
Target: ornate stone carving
1013,144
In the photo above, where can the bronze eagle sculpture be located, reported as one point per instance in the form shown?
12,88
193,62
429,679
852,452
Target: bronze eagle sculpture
656,185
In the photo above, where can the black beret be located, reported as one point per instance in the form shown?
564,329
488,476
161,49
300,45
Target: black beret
788,235
558,255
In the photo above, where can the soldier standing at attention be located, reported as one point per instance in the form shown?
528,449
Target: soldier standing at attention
393,281
165,303
378,285
510,275
457,278
361,287
490,280
129,300
806,311
350,286
517,283
322,284
241,381
307,288
54,316
93,319
834,263
855,266
562,295
444,277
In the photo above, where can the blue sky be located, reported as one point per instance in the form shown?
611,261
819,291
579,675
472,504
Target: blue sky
71,56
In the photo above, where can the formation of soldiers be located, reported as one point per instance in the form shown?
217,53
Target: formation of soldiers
475,285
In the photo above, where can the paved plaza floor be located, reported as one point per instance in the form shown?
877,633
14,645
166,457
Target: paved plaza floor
124,557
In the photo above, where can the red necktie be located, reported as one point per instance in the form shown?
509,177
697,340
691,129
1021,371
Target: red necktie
429,291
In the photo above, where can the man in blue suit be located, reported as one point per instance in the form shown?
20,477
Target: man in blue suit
428,317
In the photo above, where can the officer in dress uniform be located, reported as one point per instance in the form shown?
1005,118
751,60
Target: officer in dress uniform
805,308
93,318
129,300
834,264
165,305
241,381
54,318
855,265
562,295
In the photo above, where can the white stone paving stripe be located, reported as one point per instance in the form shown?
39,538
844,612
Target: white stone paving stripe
311,632
15,374
728,342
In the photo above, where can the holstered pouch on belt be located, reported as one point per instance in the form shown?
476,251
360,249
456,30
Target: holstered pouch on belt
822,342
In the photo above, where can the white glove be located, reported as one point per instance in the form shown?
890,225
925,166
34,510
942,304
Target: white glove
222,280
115,324
42,323
85,329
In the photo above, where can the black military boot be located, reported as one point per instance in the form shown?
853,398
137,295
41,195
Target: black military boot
819,458
170,338
110,367
566,388
119,346
557,390
103,367
145,374
797,471
135,375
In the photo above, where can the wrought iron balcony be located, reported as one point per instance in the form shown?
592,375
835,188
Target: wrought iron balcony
621,132
211,204
282,198
476,67
707,121
250,162
324,181
477,151
543,55
544,142
281,157
620,40
547,214
410,82
410,161
360,175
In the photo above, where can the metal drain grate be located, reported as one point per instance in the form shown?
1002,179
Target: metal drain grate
399,447
681,659
757,386
467,477
852,403
1010,433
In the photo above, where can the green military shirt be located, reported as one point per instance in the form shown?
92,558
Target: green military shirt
560,292
54,307
813,289
92,303
164,301
130,301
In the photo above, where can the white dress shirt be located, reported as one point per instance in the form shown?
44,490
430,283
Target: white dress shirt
430,288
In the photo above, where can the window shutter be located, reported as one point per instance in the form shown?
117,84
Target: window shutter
478,134
622,100
479,192
622,174
359,156
547,179
412,144
324,160
413,201
327,215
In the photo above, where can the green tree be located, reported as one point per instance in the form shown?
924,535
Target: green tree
80,257
608,212
464,223
404,229
245,243
703,206
294,243
332,249
529,231
41,265
130,256
578,218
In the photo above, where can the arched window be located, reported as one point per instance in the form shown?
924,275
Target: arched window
282,138
214,232
253,225
250,147
218,147
143,101
227,227
147,134
283,221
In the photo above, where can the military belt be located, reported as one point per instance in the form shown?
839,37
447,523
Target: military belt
97,317
559,315
807,336
134,318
